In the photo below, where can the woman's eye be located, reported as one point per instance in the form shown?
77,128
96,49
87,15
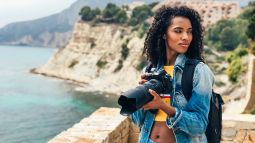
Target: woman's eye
177,31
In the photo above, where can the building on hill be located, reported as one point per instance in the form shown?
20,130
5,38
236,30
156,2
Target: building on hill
211,11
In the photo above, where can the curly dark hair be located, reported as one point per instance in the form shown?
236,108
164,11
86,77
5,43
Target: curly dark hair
154,45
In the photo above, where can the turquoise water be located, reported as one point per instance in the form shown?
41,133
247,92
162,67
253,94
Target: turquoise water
34,108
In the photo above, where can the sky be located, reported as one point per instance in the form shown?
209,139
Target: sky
23,10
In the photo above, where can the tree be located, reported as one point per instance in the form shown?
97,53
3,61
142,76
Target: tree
121,17
249,13
140,14
251,27
110,10
113,13
228,39
88,14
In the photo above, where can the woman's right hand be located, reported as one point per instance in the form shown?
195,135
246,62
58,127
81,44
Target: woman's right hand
142,80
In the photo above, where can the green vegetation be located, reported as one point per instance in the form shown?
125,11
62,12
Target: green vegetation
124,51
226,35
140,14
252,111
235,67
143,28
124,55
250,14
88,14
120,65
101,64
73,63
233,37
111,14
114,14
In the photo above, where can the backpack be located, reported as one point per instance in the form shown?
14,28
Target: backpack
213,130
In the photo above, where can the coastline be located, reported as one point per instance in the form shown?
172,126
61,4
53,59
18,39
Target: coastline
81,86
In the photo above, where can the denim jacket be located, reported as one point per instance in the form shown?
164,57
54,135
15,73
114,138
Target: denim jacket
191,118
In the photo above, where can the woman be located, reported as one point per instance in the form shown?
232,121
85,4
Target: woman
176,34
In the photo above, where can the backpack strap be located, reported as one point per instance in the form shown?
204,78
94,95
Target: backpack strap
187,77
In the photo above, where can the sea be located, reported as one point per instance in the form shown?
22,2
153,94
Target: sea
35,108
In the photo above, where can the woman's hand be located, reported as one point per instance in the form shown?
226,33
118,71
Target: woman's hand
156,102
142,80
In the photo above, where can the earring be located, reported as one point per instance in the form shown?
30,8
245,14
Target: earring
164,36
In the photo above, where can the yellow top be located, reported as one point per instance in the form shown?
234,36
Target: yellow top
161,115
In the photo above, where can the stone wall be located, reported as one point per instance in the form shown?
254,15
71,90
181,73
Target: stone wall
106,125
239,128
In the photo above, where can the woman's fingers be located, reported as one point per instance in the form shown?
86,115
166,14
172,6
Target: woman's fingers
143,76
142,81
153,93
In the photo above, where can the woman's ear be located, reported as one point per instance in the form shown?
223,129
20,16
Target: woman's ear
164,36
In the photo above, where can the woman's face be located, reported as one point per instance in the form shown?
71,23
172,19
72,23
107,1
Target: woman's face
178,35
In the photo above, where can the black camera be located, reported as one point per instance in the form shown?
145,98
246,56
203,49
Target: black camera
134,99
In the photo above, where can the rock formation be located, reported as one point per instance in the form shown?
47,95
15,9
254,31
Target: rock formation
93,56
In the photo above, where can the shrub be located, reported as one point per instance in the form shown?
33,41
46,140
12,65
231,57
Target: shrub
120,65
121,17
73,63
114,14
234,69
124,51
87,14
140,14
226,35
241,51
101,64
143,29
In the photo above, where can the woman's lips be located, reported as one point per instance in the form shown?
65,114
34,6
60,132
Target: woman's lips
184,45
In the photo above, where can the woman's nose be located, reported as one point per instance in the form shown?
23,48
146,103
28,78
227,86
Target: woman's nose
185,36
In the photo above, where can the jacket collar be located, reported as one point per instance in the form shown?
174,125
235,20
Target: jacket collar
180,60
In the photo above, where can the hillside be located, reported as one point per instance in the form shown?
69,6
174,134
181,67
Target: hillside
93,56
50,31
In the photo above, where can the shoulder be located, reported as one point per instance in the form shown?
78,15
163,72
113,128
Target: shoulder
203,72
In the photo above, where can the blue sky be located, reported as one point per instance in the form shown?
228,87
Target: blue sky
23,10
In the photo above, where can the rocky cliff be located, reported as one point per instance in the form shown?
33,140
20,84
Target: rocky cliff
93,56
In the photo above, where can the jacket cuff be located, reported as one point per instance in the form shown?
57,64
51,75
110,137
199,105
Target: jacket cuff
171,121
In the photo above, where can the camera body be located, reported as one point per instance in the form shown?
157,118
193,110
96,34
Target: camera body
134,99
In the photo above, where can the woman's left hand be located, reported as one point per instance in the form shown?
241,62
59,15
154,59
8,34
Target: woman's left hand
156,102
